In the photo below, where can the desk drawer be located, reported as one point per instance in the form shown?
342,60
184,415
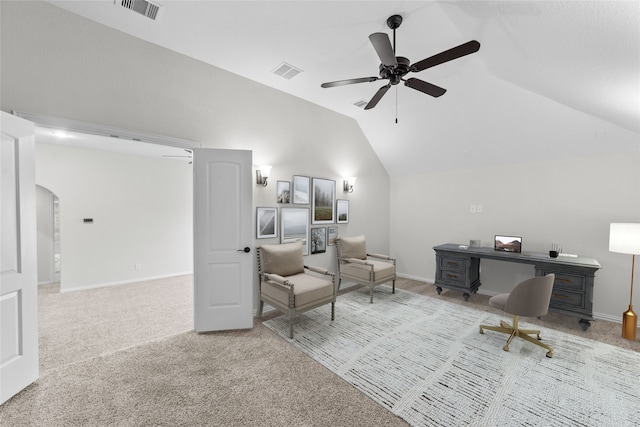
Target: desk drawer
569,282
454,277
450,263
563,299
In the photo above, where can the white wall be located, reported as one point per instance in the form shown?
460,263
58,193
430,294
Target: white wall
571,201
58,64
141,211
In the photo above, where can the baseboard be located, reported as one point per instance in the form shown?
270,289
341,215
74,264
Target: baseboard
124,282
418,278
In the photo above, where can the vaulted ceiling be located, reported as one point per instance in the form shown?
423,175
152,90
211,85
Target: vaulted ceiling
551,77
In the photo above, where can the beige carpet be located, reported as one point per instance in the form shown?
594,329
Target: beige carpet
127,355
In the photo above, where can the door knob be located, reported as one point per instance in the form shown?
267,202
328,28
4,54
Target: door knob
246,250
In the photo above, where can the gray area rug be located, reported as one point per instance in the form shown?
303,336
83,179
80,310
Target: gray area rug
424,360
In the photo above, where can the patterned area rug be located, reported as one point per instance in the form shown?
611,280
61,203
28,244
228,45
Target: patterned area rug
425,360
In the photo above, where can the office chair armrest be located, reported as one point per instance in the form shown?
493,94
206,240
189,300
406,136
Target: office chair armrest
319,270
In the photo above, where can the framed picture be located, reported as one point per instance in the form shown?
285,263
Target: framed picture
332,235
342,206
283,192
300,190
266,223
323,201
295,226
318,240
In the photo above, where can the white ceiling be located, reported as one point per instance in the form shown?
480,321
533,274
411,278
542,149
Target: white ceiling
537,60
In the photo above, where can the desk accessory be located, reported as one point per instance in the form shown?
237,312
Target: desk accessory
624,238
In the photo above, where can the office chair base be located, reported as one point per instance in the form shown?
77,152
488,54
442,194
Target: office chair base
514,331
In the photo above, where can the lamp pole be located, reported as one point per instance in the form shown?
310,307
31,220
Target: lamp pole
629,318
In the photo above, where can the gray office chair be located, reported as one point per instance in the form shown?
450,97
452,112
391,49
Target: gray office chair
354,263
530,299
288,285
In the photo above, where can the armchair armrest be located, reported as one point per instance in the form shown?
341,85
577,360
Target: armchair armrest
278,279
380,256
357,261
319,270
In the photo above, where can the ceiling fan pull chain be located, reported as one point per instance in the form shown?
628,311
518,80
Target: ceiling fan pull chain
396,100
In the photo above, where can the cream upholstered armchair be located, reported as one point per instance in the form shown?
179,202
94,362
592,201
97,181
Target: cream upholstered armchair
354,263
286,284
530,299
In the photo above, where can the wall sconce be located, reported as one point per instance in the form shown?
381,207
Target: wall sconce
625,239
262,173
348,184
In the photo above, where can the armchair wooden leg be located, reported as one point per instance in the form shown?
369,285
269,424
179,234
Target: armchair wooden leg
333,311
371,295
393,288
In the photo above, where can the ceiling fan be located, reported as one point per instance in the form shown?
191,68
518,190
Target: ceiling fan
395,68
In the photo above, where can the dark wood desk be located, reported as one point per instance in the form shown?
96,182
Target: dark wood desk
459,269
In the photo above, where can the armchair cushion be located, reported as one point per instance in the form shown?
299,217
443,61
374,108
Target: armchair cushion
353,247
382,270
284,260
307,289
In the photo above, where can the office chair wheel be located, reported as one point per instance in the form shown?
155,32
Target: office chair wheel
506,347
539,337
481,330
549,354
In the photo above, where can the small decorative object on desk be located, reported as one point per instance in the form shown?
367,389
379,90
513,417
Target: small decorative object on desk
555,250
475,243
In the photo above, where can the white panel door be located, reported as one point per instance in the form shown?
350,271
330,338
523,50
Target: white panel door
18,268
223,259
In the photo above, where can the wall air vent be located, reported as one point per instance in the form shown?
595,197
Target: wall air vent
361,103
286,71
143,7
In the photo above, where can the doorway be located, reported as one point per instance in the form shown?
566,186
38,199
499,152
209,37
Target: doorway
48,236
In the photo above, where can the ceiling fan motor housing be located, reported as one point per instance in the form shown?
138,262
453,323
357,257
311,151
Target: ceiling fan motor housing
395,73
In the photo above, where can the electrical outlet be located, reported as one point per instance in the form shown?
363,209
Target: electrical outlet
137,267
479,209
473,209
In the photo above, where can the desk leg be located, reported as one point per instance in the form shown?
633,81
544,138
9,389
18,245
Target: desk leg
438,290
466,296
584,324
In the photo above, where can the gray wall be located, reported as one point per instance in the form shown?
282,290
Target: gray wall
570,201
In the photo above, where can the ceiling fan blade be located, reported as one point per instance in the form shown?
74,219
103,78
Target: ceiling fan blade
382,45
425,87
350,81
379,94
448,55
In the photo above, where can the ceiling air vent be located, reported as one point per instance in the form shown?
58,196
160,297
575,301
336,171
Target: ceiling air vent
286,71
143,7
361,103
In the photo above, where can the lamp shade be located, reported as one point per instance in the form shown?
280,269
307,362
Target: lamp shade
265,171
625,238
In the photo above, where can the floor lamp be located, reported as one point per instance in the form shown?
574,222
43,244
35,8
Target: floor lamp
625,238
